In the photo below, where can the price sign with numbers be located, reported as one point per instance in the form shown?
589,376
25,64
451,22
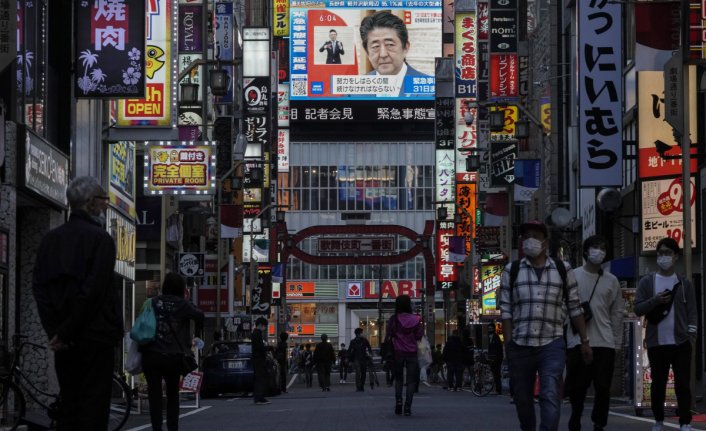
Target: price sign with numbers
191,382
662,212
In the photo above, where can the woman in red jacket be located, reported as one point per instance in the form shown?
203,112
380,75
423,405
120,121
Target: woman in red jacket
405,329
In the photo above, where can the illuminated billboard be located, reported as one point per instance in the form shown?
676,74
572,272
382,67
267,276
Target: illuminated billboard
180,168
330,60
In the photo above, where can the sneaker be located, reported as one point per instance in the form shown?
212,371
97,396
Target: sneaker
685,427
658,426
263,402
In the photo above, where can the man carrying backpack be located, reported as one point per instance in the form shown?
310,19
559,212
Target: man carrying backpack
535,294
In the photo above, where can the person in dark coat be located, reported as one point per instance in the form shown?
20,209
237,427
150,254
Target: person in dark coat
161,358
259,361
80,307
281,356
358,352
453,354
324,358
495,356
333,48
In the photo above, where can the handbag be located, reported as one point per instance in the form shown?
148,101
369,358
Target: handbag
660,311
187,362
144,330
387,350
586,305
133,362
424,352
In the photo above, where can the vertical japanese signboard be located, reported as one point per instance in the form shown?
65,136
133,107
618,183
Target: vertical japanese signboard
600,94
155,109
110,48
466,203
445,169
466,55
224,44
280,9
8,33
121,166
444,123
446,271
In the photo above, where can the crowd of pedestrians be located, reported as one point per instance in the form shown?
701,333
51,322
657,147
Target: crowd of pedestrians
561,329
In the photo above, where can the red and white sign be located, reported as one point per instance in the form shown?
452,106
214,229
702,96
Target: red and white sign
191,382
652,127
392,289
354,289
662,208
446,272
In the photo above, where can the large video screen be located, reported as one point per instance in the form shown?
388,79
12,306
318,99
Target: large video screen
363,49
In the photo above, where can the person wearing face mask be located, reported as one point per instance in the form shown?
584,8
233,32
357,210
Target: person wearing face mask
80,307
669,333
601,290
533,309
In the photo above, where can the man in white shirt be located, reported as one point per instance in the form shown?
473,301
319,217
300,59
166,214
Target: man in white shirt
601,290
668,302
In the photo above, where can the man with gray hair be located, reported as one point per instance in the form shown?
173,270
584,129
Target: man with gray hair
80,307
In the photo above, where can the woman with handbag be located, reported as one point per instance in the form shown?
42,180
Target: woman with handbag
167,357
405,329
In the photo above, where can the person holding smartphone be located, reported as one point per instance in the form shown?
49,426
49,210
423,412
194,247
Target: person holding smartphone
668,301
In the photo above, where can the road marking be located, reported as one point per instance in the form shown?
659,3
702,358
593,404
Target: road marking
193,412
666,425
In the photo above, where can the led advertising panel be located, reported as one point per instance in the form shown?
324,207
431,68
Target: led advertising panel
364,50
180,167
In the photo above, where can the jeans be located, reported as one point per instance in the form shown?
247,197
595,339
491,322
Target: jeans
324,374
85,373
157,367
454,372
360,369
679,357
579,377
525,362
309,375
343,370
411,364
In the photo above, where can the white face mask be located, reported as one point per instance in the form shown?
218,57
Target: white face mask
532,247
596,255
665,262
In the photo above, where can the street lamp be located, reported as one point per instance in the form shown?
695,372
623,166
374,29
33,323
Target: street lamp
218,79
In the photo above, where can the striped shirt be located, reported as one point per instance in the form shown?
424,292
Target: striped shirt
538,308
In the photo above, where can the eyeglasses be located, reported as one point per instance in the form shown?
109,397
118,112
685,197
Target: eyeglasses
666,252
105,198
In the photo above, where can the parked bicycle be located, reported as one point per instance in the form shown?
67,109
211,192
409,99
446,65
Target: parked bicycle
482,381
15,386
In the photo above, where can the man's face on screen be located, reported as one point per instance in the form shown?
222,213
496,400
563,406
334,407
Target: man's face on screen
385,50
332,35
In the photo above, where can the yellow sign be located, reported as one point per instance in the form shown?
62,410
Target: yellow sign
508,132
180,169
281,18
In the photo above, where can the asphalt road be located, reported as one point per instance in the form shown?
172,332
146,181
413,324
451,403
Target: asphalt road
344,409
